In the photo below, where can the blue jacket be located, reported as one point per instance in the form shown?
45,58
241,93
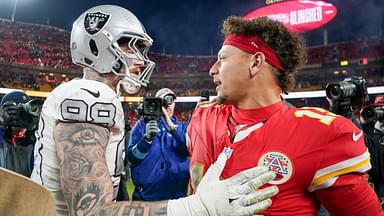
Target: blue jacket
160,170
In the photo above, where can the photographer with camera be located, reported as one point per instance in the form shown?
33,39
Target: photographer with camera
348,98
19,117
372,118
157,150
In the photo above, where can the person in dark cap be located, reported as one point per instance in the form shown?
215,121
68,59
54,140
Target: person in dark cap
18,121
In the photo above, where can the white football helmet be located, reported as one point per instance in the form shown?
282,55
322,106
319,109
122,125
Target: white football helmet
95,40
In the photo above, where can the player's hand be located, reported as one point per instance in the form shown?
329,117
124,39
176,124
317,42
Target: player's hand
151,129
164,111
241,189
171,125
237,195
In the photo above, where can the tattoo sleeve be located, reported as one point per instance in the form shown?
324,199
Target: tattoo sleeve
85,180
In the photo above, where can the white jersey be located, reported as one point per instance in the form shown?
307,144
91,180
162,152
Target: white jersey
79,100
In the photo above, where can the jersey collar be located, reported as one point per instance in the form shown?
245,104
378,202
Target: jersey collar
251,116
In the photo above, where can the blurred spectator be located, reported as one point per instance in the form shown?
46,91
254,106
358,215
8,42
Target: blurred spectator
17,132
369,118
373,125
123,194
158,154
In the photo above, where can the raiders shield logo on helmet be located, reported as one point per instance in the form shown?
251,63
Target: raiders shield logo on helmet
94,22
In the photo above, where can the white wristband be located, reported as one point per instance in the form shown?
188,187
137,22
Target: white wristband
188,206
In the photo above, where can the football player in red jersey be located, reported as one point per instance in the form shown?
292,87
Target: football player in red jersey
320,157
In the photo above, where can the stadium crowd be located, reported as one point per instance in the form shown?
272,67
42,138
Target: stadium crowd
46,46
40,46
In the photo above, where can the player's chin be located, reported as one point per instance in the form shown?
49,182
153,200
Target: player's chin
221,98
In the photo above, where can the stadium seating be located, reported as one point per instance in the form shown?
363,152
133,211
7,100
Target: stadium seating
36,57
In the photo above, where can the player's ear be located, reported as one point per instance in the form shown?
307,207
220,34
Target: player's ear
256,62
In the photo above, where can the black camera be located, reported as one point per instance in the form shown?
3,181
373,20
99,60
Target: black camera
373,113
150,109
352,91
33,107
21,115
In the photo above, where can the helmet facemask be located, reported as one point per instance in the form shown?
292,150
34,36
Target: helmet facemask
138,46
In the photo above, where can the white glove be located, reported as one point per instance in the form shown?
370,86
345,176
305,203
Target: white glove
236,195
151,129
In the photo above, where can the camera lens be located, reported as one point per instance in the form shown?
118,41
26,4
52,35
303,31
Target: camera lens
334,92
380,114
369,114
33,110
340,91
152,107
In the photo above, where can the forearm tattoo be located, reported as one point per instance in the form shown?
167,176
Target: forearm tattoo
86,183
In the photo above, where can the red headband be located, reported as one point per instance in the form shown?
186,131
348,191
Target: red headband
252,44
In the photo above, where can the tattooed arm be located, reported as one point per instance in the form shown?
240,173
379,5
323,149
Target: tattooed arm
86,183
87,186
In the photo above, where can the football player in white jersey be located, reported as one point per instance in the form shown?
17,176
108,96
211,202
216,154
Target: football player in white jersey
80,146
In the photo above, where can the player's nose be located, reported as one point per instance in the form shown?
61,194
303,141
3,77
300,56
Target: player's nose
136,67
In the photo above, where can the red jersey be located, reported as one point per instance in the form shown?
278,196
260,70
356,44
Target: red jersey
311,150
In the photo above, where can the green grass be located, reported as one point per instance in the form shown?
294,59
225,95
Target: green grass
130,188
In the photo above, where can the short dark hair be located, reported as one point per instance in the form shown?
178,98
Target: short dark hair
288,46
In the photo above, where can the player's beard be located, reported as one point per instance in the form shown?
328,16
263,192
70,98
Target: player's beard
221,99
130,87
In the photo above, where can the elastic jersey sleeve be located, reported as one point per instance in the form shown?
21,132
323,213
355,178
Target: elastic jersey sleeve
339,182
345,153
350,195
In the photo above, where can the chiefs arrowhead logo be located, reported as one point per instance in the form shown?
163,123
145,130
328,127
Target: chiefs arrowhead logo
278,162
94,22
